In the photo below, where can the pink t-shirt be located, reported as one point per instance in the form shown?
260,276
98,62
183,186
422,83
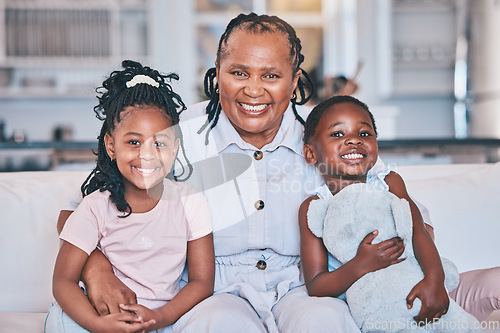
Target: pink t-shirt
147,250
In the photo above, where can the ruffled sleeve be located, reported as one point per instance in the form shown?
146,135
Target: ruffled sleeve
378,179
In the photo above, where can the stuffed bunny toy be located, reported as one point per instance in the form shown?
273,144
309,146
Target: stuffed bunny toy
378,299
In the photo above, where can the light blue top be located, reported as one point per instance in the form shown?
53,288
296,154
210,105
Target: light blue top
235,177
319,206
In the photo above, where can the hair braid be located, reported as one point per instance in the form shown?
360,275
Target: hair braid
189,166
213,109
106,177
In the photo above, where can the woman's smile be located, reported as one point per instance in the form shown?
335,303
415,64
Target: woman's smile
254,109
256,82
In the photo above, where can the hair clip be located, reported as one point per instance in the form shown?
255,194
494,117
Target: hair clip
140,78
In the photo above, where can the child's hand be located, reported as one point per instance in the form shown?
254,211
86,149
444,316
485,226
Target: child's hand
372,257
143,313
124,322
434,297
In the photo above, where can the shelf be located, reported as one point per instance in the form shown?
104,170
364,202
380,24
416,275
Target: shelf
418,7
76,5
382,144
65,62
55,48
297,20
439,142
424,64
440,150
422,59
72,145
436,91
46,92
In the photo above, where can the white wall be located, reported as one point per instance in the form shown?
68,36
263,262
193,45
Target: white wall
419,116
485,66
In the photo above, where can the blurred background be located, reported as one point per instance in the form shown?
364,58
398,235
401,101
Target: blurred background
428,69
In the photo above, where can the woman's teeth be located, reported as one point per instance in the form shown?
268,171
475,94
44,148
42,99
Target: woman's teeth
352,156
253,108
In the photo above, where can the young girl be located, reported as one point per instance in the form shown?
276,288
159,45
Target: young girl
147,224
340,138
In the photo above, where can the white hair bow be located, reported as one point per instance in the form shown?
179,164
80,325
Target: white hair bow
140,78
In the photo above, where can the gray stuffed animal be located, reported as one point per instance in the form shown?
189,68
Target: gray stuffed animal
378,300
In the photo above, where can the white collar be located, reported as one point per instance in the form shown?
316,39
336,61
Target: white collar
289,134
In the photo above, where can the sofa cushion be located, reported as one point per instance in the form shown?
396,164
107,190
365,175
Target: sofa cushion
30,203
465,212
462,200
16,322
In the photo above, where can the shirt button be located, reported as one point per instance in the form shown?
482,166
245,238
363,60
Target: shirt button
259,204
258,155
261,264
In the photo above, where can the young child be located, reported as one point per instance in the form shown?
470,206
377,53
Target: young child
340,138
147,224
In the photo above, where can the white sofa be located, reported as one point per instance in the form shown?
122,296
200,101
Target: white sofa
463,200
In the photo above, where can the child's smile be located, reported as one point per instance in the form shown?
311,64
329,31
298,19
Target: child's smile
354,156
144,146
344,144
146,172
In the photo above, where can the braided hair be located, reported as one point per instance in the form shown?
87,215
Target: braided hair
256,24
317,112
114,96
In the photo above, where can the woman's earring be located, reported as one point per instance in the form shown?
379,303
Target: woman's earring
294,96
217,90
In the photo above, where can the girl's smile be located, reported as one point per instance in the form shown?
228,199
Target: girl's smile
144,146
344,144
146,172
354,156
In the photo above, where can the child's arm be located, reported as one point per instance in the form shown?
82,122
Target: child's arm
430,290
430,231
104,290
201,276
67,271
314,257
61,219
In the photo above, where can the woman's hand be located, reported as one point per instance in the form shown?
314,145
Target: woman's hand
107,292
104,290
372,257
434,297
